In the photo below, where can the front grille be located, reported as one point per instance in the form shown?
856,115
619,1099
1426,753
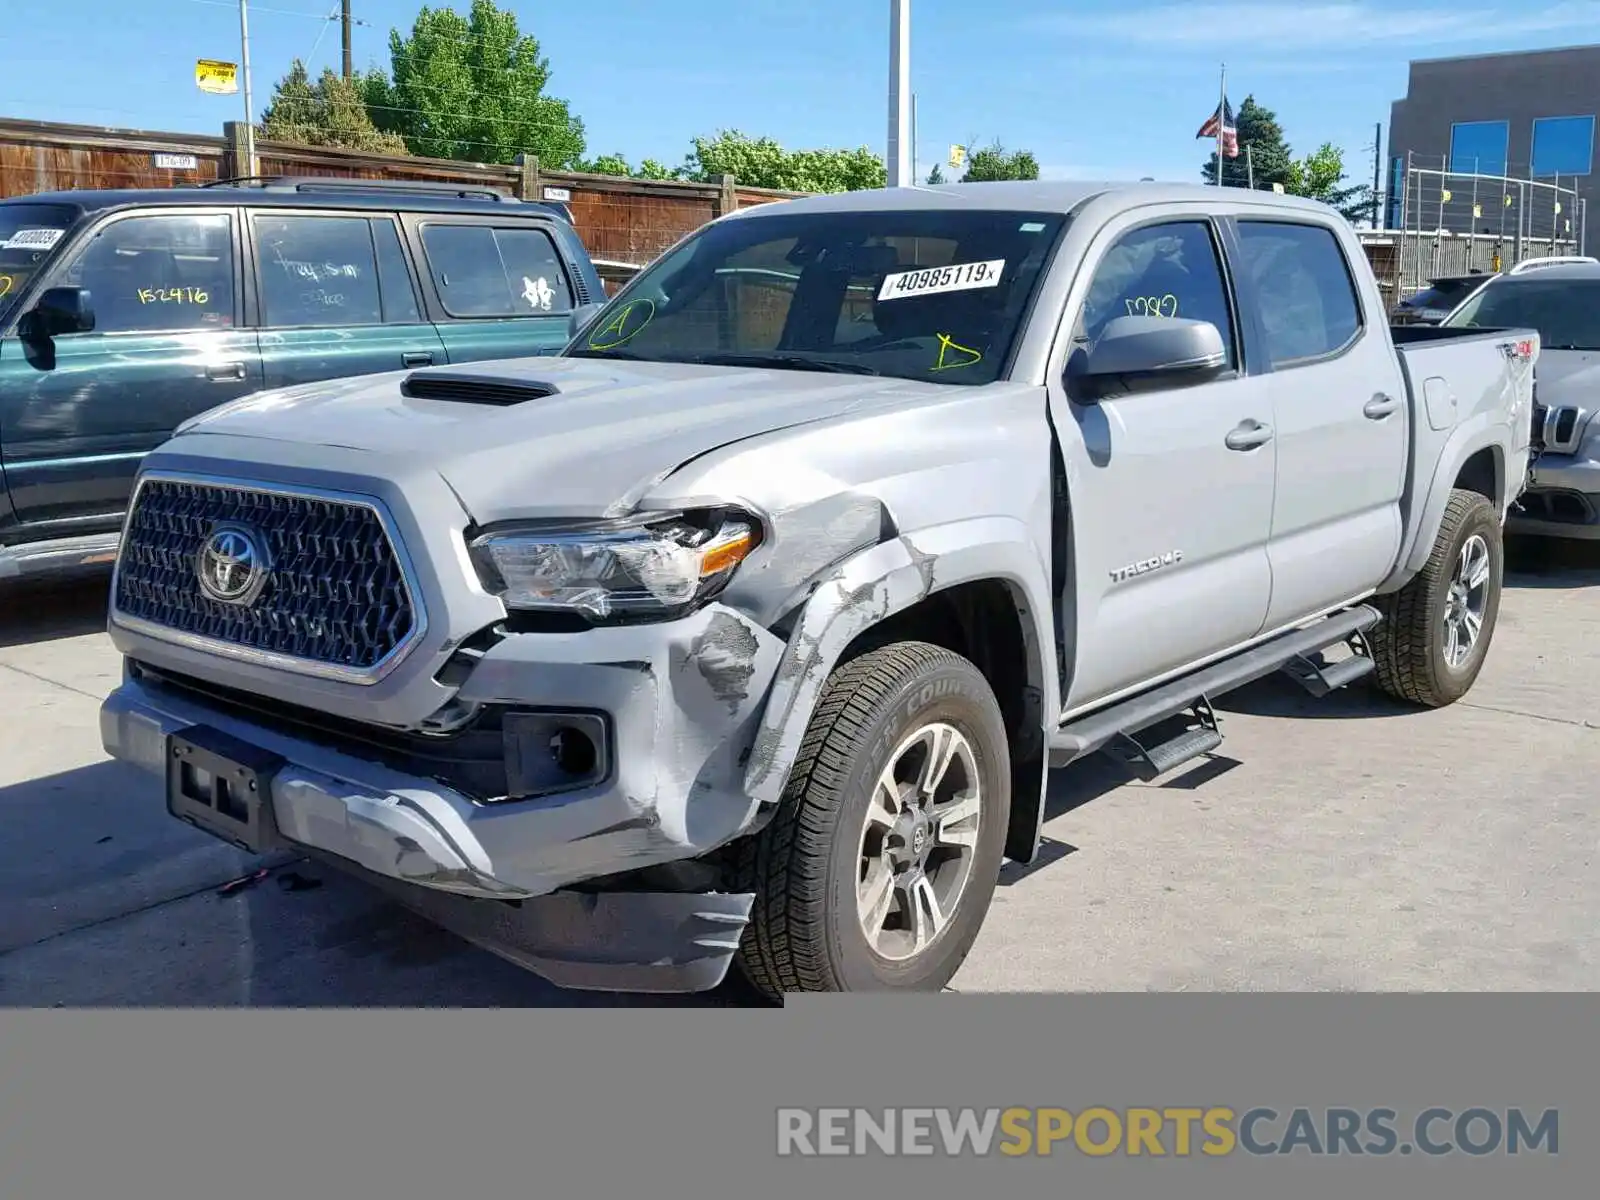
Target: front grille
335,592
1559,428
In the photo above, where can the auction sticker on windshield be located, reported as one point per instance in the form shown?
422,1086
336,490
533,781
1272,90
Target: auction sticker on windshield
959,277
32,239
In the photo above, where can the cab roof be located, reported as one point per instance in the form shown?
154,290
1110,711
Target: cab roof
1062,197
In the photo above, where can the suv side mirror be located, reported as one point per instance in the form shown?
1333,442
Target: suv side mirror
581,316
59,310
1149,352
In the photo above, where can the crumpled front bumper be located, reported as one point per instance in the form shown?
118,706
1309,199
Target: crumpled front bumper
1562,498
681,701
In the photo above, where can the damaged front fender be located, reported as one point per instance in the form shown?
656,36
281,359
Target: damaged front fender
869,588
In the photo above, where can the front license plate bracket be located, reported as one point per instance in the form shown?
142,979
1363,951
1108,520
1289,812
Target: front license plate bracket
223,786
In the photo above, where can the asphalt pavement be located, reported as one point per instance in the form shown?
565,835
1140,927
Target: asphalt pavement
1347,844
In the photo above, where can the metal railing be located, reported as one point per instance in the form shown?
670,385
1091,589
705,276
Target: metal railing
1448,222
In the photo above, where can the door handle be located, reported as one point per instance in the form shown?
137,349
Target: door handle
1380,406
417,358
1248,435
221,372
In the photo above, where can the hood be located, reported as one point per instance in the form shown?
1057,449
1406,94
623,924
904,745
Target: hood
608,432
1570,379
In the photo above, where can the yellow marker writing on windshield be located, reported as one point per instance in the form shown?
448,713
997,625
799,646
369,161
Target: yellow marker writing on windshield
6,284
623,328
949,346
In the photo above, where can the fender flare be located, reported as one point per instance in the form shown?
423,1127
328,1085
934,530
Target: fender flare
877,583
1466,441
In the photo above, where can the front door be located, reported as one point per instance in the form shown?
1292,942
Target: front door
1170,514
77,414
337,298
1342,419
499,290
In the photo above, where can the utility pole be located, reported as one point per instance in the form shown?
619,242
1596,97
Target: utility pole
249,103
344,30
1377,159
916,171
898,159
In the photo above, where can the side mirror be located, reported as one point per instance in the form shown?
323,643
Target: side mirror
1149,352
59,310
581,316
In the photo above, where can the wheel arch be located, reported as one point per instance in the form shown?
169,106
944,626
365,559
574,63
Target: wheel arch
1474,459
978,588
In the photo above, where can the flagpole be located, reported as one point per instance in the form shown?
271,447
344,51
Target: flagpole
1222,120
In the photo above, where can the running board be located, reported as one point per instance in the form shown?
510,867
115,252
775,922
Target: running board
1319,677
1119,723
58,554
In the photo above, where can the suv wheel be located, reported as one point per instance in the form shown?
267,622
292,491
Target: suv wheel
1436,630
879,867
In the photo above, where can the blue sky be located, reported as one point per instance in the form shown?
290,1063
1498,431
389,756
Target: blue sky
1095,88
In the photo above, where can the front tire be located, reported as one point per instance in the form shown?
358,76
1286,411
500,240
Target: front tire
1435,633
879,867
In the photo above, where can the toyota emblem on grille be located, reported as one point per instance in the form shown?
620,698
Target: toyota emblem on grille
232,565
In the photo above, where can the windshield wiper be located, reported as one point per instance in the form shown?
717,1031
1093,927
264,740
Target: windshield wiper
791,362
593,353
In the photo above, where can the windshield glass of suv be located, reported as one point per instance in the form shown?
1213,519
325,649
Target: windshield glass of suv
934,294
29,234
1566,312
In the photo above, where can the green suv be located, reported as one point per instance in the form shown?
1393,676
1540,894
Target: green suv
124,313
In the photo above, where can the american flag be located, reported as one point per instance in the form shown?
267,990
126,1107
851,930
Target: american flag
1230,132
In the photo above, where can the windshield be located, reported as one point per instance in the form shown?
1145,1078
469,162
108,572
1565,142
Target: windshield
29,234
937,294
1566,312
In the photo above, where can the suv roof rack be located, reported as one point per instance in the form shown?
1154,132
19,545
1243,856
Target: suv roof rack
1554,260
319,183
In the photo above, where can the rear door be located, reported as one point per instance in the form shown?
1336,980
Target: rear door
496,287
78,414
1343,422
336,297
1171,489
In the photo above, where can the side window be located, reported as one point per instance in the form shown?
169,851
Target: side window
534,270
394,276
485,272
317,271
1166,270
159,274
1308,300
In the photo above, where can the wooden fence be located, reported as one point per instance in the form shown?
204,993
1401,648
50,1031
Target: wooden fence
625,222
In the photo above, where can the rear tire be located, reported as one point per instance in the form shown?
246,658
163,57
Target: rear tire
1435,633
857,839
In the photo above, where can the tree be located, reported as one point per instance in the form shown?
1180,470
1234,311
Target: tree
615,164
762,162
606,164
1268,156
329,112
473,88
935,176
995,162
1320,176
651,169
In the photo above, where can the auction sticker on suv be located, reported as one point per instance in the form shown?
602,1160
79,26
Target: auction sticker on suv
959,277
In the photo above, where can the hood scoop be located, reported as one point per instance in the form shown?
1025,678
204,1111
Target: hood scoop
474,389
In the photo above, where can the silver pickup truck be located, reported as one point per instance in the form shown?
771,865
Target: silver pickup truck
747,629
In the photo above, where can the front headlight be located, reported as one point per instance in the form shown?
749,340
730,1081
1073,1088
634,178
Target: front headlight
642,570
